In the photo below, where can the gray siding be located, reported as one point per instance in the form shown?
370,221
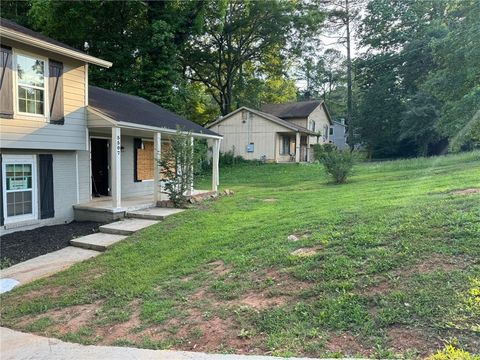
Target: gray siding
64,187
131,188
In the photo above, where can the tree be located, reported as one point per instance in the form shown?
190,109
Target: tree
456,83
143,38
235,33
343,16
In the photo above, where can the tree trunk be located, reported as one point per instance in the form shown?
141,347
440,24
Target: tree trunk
349,79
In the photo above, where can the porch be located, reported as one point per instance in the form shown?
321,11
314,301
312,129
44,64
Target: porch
294,147
102,209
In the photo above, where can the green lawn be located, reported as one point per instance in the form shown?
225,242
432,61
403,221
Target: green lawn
389,265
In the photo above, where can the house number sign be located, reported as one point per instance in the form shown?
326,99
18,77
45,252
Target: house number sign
118,146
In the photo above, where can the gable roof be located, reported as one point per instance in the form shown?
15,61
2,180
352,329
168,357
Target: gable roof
291,110
12,30
275,119
136,110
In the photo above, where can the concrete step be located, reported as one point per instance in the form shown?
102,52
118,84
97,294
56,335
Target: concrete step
127,226
98,241
154,213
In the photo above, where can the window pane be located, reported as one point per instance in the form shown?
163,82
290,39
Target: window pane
27,207
22,105
30,71
10,210
10,169
27,169
30,93
39,107
10,198
22,92
30,107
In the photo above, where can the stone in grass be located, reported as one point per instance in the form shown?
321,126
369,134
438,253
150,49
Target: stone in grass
304,252
293,238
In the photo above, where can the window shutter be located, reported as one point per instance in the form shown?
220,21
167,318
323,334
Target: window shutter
55,89
46,186
6,83
1,192
137,144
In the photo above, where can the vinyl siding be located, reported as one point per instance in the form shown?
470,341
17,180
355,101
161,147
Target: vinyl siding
131,188
321,124
36,133
262,132
64,187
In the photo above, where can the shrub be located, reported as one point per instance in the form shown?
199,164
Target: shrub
178,163
337,163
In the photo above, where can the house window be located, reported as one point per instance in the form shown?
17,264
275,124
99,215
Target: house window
331,131
313,126
285,145
19,187
30,85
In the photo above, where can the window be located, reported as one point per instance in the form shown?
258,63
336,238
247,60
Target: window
331,131
30,85
251,147
145,161
20,188
313,126
285,145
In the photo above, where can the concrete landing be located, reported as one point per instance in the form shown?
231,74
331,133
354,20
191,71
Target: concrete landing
126,227
16,345
48,264
154,213
98,241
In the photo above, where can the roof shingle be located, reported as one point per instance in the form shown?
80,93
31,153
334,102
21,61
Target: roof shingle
292,110
136,110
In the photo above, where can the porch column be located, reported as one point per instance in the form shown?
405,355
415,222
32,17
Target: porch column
190,190
116,151
297,148
157,156
308,148
215,167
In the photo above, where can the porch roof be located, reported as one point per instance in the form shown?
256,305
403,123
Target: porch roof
139,112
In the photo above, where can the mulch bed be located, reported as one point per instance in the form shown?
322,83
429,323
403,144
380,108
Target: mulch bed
24,245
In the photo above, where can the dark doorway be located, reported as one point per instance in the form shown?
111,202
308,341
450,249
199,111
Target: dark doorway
99,155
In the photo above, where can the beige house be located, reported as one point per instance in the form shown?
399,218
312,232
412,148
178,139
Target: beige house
277,133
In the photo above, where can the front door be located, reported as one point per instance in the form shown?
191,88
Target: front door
99,155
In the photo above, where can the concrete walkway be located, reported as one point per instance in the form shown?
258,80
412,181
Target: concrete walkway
46,265
15,345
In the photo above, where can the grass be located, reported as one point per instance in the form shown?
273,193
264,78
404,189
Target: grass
393,268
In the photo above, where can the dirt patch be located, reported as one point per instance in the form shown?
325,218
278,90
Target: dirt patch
260,301
436,262
218,268
348,345
380,288
305,252
24,245
402,338
270,200
122,330
465,191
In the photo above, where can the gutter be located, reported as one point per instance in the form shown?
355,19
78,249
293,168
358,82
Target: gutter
42,44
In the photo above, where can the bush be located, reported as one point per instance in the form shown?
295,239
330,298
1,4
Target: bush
337,163
178,164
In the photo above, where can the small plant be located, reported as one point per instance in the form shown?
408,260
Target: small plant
5,263
177,163
451,352
337,163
